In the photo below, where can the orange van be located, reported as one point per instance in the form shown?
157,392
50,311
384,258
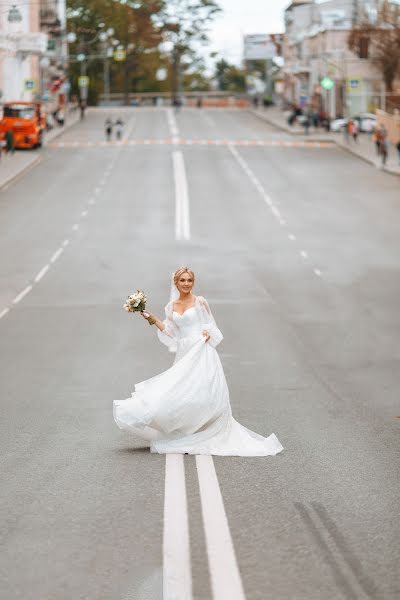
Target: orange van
27,121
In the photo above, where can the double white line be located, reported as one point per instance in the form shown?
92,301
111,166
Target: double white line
182,213
226,582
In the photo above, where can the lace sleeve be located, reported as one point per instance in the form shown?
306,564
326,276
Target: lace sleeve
209,323
169,335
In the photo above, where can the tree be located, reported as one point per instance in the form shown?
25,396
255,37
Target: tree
229,78
379,41
184,25
134,28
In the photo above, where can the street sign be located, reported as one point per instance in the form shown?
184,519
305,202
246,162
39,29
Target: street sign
354,85
83,81
259,47
327,83
29,85
119,55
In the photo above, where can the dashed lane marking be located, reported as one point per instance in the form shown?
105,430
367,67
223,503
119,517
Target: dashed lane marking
22,294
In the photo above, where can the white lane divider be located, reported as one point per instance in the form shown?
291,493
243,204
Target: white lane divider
64,244
226,581
266,198
57,254
41,273
182,214
177,577
22,294
173,125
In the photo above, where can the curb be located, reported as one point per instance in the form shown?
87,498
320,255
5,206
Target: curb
333,141
38,158
23,171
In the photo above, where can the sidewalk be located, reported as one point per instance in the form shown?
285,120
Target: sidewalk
15,165
364,148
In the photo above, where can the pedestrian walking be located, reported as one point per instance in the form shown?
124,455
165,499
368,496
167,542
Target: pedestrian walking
82,106
119,124
108,128
384,151
376,138
10,145
353,129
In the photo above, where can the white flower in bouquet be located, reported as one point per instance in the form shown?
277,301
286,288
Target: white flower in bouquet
136,302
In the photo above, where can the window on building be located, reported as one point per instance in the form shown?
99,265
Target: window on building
363,47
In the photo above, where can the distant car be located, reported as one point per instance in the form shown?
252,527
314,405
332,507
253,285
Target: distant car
366,122
338,124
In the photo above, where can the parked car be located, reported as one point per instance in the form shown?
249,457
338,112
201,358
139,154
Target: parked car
366,122
26,120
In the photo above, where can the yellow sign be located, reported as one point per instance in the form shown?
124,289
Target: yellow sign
83,81
119,55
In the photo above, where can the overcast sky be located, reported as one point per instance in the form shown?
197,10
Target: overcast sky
244,16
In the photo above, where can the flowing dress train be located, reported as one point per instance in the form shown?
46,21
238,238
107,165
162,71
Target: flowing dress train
186,409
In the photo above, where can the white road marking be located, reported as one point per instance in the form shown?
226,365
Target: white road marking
22,294
92,201
173,125
282,221
97,190
41,273
4,312
57,254
304,254
182,216
84,213
65,243
291,237
224,571
75,227
317,272
177,578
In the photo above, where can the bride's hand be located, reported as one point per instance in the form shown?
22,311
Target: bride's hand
206,335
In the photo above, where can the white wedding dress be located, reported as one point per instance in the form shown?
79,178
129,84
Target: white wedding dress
186,409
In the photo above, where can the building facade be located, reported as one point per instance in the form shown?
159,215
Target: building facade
22,45
320,71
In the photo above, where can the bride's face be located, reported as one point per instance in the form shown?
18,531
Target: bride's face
185,283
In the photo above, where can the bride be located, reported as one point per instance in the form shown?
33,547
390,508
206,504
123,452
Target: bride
186,409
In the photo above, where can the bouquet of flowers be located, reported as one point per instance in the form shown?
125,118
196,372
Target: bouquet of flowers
137,303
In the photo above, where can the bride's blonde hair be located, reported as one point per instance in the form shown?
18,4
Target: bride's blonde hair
180,272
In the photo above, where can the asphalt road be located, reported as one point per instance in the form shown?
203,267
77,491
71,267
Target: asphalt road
296,247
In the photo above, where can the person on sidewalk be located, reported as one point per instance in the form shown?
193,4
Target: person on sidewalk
384,151
377,138
353,129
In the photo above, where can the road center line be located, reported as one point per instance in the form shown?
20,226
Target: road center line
173,125
4,312
182,211
177,578
22,294
224,571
